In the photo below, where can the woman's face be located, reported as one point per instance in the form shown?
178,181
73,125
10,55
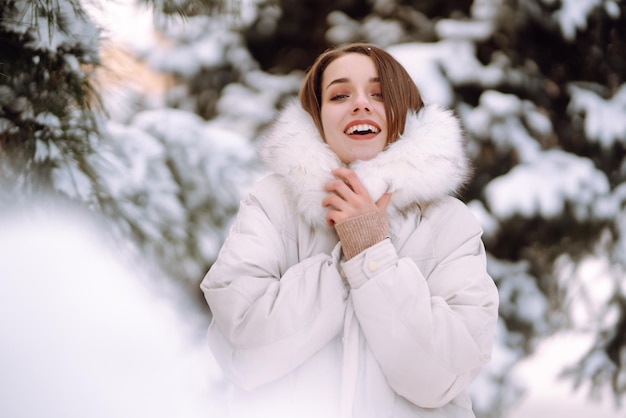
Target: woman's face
352,110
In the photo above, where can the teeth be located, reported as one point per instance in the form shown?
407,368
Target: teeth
361,128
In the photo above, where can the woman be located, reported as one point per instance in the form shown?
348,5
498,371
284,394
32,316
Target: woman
352,283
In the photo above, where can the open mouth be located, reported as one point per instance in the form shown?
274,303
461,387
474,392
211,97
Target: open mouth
362,129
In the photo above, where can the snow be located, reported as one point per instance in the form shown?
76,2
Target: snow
383,32
492,387
6,126
68,179
507,120
134,154
573,14
82,334
549,396
76,29
123,23
484,9
202,154
477,30
167,165
436,67
201,43
500,105
422,63
553,179
519,295
244,107
589,290
344,29
604,119
488,222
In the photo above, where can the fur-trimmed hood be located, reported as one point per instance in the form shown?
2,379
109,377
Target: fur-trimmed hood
425,164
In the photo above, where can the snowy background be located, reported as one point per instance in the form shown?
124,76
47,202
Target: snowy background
103,319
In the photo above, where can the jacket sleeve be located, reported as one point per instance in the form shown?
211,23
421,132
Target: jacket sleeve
430,334
269,317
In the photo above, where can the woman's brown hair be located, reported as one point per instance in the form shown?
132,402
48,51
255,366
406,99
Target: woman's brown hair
400,94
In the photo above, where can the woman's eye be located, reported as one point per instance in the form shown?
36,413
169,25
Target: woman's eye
339,97
378,95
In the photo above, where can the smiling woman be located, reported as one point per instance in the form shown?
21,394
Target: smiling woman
353,283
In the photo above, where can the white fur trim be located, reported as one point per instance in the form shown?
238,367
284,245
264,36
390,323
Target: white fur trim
425,164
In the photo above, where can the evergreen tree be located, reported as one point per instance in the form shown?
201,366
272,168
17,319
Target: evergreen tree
165,197
47,127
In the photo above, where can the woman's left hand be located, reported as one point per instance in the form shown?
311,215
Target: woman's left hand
348,198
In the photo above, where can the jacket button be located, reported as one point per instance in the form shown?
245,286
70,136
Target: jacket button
372,265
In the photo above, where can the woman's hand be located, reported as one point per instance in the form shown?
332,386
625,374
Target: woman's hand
348,198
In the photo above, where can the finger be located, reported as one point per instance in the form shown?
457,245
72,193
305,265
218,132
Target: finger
334,216
351,179
334,201
383,202
329,219
340,188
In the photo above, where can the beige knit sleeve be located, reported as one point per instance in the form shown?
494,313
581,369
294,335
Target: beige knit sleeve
361,232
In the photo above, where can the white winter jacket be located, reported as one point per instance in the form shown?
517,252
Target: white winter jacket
399,330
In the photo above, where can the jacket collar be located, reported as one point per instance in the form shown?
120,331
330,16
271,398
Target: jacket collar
426,163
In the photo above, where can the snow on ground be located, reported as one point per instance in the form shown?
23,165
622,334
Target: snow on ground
82,335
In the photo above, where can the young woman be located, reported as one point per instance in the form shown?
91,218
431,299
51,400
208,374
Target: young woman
353,283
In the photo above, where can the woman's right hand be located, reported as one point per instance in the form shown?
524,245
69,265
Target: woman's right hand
347,197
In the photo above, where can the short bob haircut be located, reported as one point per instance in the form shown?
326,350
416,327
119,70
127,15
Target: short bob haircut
400,94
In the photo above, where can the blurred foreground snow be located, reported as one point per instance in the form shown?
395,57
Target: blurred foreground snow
82,334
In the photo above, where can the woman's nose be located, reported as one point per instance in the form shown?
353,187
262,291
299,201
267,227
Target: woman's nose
361,102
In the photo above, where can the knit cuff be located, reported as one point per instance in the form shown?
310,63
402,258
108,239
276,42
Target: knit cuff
361,232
